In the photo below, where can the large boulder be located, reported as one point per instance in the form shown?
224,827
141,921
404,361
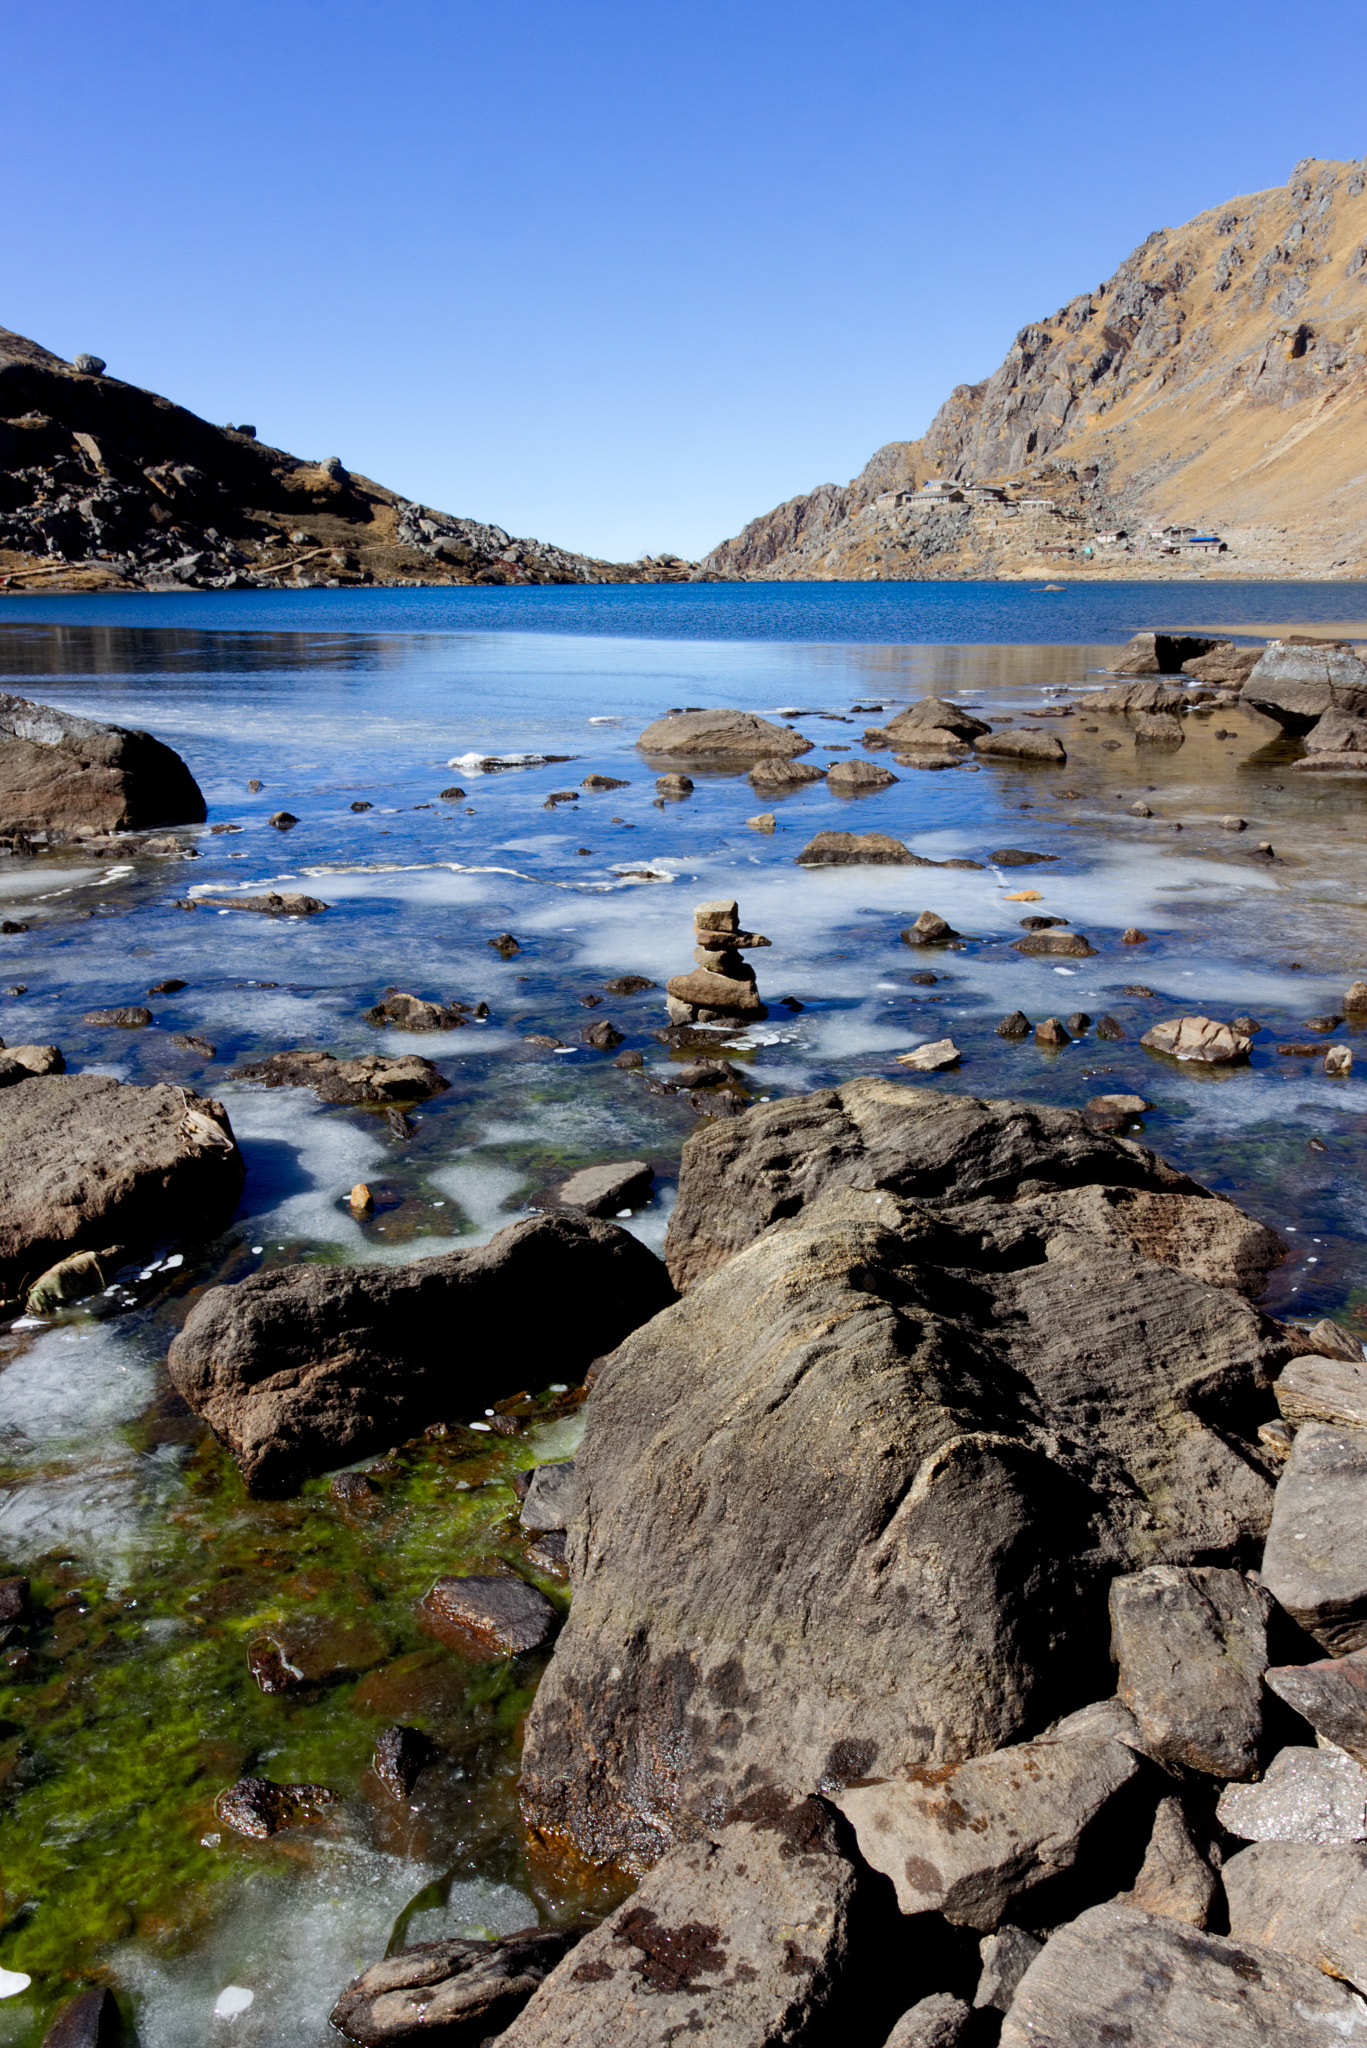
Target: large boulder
1160,654
1315,1563
1190,1642
89,1164
75,776
739,1938
934,714
724,736
739,1177
1297,683
1338,732
857,849
950,1424
309,1367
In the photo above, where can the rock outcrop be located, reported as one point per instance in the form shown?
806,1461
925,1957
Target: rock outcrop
960,1408
89,1164
75,778
309,1367
1297,682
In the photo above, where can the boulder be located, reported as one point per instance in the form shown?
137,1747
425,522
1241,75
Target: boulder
721,736
414,1013
504,1616
1315,1559
1308,1795
87,1162
603,1190
1006,1956
1308,1899
1337,733
1118,1975
1021,744
1140,697
1054,945
1203,1039
1314,1389
309,1367
951,1424
371,1078
1174,1877
1331,1695
1226,665
940,2021
1014,1025
702,995
852,849
448,1991
858,778
1191,1645
550,1498
974,1840
74,776
738,1938
1158,731
929,930
737,1179
33,1059
1160,654
934,715
1297,683
775,774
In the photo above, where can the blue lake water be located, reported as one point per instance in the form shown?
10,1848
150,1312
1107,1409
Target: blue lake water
334,698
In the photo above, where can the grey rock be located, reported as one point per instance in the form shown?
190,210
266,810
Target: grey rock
738,1938
854,849
1337,733
1331,1695
448,1991
1175,1877
935,714
973,1840
370,1078
1202,1039
87,1162
940,2021
946,1421
720,735
1332,1390
858,778
603,1190
550,1498
1143,698
1297,685
1161,654
503,1615
1308,1899
1308,1795
1007,1955
1118,1975
1315,1559
309,1367
1191,1644
775,773
89,366
1020,744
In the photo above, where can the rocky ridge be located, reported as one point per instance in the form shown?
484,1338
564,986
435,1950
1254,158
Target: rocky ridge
1215,383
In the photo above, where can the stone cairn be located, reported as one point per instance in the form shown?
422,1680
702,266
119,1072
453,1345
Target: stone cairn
721,986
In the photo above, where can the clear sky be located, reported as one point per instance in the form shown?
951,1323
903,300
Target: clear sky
616,275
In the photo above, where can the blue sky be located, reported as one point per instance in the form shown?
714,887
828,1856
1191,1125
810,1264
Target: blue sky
612,275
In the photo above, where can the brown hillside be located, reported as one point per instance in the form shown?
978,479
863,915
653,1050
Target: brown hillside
1218,381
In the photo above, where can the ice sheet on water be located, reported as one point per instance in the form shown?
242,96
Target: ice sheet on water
72,1385
302,1159
483,1189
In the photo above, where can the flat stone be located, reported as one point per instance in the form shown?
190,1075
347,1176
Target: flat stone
1191,1645
722,914
1019,857
722,942
603,1190
316,1651
1308,1899
929,930
132,1017
739,1939
371,1078
858,778
1331,1695
1308,1795
1313,1389
1022,745
926,738
1315,1558
703,990
550,1498
1174,1878
1118,1105
1197,1038
1117,1975
940,2021
932,1058
973,1840
725,735
851,849
273,904
1006,1956
504,1615
448,1991
1062,945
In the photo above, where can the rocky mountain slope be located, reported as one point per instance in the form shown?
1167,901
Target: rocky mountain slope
104,486
1216,383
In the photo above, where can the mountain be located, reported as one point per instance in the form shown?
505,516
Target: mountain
1216,383
104,486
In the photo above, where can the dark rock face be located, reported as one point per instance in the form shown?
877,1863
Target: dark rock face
401,1756
1160,654
737,1939
938,1150
87,1162
1120,1975
371,1078
550,1500
270,905
721,736
1191,1644
1227,664
951,1424
1175,1877
301,1369
1297,685
260,1808
69,775
90,2020
449,1992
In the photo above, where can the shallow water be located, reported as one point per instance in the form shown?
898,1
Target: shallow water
153,1571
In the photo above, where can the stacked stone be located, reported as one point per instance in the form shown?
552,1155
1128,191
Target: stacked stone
721,985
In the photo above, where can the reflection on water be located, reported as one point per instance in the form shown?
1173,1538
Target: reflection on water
152,1571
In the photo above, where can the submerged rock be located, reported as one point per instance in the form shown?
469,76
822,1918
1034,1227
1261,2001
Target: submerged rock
370,1078
259,1807
1054,944
309,1367
271,905
87,1162
858,778
448,1991
504,1615
74,776
721,735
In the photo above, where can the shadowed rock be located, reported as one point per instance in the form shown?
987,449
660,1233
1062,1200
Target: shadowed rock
371,1078
1331,1695
1160,654
1191,1644
940,2021
1175,1878
74,776
449,1992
